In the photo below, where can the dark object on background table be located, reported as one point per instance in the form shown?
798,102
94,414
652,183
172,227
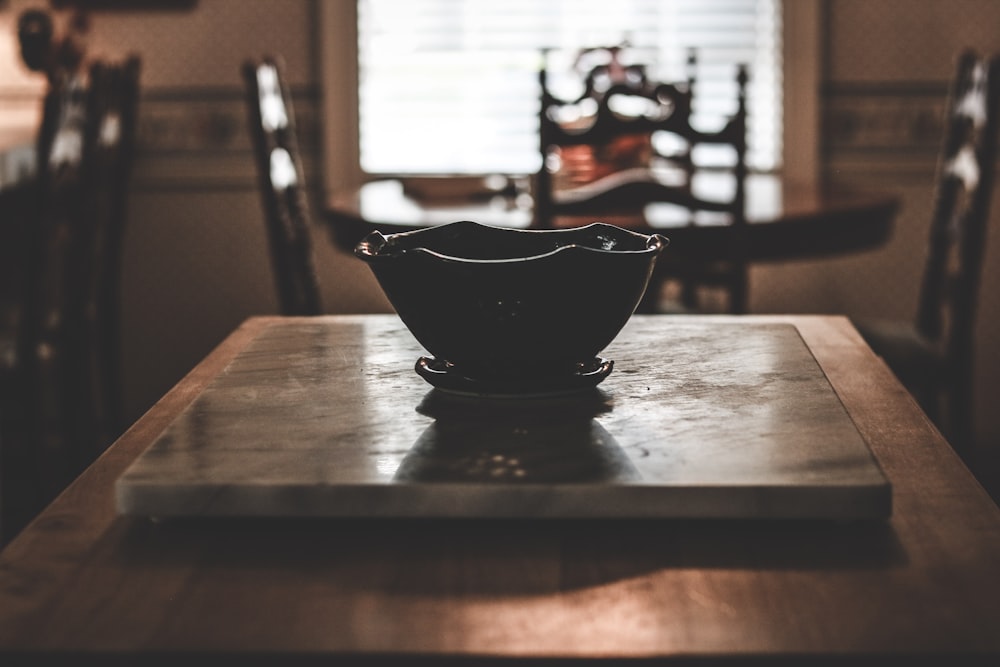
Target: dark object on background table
933,355
514,311
62,395
34,33
282,185
638,147
59,57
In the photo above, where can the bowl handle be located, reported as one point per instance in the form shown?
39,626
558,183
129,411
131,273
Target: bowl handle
370,246
657,242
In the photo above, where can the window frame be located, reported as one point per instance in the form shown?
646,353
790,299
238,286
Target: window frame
338,30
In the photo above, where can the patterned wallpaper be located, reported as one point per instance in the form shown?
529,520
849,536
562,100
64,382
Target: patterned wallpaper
192,90
905,40
203,47
887,71
191,76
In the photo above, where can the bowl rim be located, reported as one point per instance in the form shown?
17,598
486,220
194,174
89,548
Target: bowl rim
373,246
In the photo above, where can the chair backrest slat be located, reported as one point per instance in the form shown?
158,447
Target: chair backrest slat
282,185
962,202
609,161
68,338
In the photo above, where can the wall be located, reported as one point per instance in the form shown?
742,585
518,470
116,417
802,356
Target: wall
196,255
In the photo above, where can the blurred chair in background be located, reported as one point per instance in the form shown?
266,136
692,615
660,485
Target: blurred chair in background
628,142
115,90
282,186
61,386
933,355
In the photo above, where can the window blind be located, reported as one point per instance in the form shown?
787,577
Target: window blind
451,86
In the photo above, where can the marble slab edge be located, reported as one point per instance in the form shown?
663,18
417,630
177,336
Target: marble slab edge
543,501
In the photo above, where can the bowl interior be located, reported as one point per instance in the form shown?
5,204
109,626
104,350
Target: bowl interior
474,242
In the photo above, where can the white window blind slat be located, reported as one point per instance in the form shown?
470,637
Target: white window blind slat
450,86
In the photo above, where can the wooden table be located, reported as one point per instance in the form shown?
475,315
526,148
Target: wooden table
82,581
786,221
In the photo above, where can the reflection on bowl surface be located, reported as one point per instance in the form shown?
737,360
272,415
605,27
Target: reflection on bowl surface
500,303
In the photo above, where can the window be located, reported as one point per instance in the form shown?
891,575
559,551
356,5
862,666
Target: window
450,86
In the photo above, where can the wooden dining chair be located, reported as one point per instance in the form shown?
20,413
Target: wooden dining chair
62,394
635,147
282,185
933,355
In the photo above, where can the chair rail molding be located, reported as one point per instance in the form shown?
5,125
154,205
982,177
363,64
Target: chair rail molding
197,139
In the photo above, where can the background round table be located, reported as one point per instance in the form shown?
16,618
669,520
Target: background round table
785,221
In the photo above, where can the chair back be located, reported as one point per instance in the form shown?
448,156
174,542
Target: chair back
282,185
966,171
115,90
68,338
637,146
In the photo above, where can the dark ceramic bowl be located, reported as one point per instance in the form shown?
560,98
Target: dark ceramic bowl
510,310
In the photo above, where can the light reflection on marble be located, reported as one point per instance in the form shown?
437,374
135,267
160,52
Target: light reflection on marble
328,418
510,441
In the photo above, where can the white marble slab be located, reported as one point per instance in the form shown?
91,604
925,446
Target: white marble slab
697,420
